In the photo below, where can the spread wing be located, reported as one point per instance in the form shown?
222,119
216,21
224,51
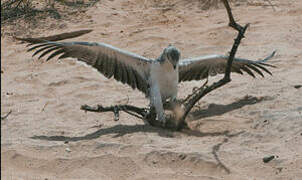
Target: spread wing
124,66
202,67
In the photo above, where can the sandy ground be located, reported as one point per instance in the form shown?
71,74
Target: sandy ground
47,136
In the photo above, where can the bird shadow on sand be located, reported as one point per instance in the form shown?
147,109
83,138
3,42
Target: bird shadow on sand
121,130
117,130
219,109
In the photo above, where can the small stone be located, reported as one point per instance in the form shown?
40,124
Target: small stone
67,150
297,86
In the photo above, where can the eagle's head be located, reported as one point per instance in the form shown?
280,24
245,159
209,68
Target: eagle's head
172,54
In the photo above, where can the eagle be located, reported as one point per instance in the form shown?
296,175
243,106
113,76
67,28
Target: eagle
157,78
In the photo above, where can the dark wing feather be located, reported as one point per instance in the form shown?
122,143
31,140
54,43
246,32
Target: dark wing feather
56,37
124,66
201,67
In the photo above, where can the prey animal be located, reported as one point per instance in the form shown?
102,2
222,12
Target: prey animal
157,78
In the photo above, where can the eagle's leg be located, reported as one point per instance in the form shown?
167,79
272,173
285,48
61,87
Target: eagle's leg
156,102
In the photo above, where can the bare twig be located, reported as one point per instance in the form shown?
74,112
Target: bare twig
146,114
232,22
18,3
4,117
140,112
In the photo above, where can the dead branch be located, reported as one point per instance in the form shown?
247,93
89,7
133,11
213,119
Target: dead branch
148,115
132,110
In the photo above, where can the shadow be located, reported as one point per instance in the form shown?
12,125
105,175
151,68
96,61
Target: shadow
121,130
118,130
219,109
78,4
27,12
198,133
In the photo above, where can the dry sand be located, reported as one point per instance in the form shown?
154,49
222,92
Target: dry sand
47,136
